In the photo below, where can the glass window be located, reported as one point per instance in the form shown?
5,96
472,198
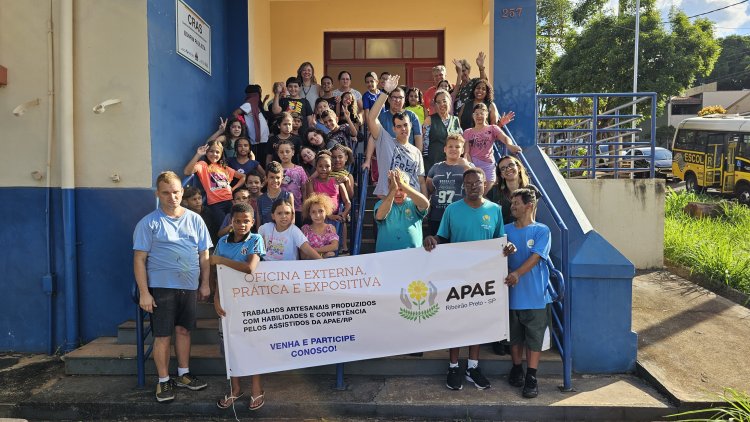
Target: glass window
408,47
384,48
425,48
685,139
342,48
743,147
701,140
359,48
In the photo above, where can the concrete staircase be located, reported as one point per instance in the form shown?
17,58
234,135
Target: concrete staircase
117,355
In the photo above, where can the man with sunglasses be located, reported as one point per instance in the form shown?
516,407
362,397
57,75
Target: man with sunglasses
470,219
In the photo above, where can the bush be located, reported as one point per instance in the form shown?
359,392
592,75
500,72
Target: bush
717,249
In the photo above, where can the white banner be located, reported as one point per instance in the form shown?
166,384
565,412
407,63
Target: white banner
193,37
297,314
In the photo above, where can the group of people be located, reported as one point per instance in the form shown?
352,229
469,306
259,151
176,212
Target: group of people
276,181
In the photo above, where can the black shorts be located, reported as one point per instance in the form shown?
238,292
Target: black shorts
173,307
530,326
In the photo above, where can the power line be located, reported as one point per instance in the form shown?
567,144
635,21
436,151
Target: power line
716,10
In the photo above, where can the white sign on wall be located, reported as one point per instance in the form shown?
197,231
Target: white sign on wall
193,37
297,314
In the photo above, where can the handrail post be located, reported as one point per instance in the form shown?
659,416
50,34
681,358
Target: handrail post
140,356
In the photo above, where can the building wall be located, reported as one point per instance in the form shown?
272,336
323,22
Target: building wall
293,43
121,50
110,61
259,34
628,213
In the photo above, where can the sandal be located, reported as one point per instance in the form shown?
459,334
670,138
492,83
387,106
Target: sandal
228,401
259,399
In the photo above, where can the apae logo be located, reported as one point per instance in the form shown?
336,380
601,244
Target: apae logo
417,294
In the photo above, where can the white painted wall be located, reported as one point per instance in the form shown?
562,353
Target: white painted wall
628,213
110,61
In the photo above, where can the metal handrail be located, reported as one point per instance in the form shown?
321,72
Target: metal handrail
358,222
563,304
587,133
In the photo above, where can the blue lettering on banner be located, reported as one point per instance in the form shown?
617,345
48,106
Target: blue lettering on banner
329,341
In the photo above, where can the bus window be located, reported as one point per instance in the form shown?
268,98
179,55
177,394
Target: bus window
743,146
701,140
685,139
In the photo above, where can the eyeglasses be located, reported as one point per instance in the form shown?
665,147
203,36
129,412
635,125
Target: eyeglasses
474,184
503,169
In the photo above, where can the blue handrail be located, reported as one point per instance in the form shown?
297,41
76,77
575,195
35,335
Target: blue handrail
358,222
561,306
585,141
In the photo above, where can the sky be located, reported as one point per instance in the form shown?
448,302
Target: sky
733,20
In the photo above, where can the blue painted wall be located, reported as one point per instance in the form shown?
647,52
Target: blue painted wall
106,218
514,65
185,101
23,303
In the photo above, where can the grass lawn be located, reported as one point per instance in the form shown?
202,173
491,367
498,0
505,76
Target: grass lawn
713,248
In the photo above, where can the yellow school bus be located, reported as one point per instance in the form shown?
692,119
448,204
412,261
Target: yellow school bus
714,152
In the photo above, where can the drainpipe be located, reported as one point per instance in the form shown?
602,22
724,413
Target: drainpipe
67,170
48,280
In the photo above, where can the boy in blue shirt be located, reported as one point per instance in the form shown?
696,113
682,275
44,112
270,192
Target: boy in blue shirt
241,251
528,297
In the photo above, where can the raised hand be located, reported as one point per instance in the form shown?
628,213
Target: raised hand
480,59
278,87
391,83
222,124
202,150
458,65
506,118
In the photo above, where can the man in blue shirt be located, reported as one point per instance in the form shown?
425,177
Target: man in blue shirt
471,218
170,256
528,297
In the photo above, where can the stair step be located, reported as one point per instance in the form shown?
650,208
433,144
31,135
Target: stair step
105,356
205,332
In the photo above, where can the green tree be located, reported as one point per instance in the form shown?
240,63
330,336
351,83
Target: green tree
554,27
600,58
732,69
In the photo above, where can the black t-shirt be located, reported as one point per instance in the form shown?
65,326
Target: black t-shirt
297,105
274,140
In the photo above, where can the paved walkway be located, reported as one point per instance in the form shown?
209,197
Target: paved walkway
693,342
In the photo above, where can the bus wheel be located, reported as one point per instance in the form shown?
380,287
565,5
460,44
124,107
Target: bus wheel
743,193
691,183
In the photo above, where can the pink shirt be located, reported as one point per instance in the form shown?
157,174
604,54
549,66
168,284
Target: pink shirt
320,240
330,188
294,178
480,142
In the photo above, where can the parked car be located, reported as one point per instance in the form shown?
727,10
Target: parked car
641,158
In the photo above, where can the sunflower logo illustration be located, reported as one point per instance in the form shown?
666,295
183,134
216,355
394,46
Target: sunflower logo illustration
416,295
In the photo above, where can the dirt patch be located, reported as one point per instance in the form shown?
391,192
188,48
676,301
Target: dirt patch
28,375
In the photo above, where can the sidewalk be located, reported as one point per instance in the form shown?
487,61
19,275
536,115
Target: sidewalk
692,343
